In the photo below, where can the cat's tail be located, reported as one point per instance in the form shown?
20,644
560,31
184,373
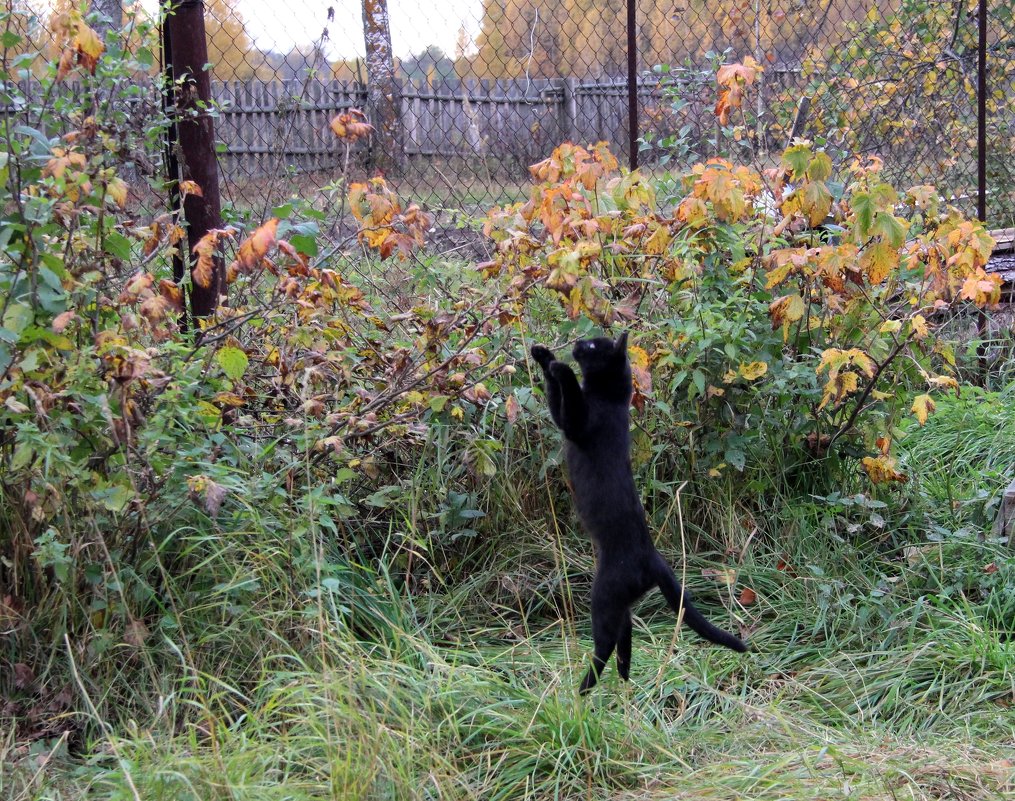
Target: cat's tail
679,599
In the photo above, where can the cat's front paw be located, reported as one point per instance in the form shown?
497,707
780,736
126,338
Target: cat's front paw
559,371
542,355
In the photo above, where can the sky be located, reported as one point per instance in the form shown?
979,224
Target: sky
414,24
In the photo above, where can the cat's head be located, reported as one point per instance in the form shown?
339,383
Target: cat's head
603,359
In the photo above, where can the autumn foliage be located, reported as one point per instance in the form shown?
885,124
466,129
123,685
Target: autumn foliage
851,279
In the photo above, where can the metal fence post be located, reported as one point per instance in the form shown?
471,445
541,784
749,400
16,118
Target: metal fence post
981,113
191,83
632,82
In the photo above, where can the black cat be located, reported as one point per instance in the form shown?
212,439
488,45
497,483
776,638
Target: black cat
595,420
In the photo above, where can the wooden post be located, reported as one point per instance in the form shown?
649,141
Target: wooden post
568,112
186,57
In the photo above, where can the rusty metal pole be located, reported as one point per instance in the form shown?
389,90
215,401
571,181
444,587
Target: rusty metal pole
981,113
632,83
194,149
982,327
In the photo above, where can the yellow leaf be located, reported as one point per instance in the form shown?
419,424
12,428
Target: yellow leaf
891,327
920,327
943,382
881,469
117,190
838,388
923,405
860,359
785,310
878,261
832,359
753,371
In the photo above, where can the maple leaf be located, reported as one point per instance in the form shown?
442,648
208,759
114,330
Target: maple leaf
815,201
62,159
881,469
753,371
203,271
172,293
84,47
117,191
191,188
785,311
838,387
943,382
693,212
923,405
154,309
878,261
89,47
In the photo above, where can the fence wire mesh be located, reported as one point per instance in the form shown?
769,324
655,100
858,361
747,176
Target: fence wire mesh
479,89
465,94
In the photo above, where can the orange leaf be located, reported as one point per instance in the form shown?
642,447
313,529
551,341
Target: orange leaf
203,272
256,246
747,596
172,293
351,125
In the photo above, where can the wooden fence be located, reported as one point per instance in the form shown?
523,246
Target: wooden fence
268,126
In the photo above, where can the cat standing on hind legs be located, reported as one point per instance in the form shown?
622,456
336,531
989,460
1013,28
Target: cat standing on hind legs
595,419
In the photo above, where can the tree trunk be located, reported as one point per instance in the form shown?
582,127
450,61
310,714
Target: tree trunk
383,101
187,54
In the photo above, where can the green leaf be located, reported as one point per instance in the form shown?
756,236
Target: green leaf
16,319
118,245
890,227
863,208
796,159
233,362
114,498
821,167
736,459
438,402
699,381
305,244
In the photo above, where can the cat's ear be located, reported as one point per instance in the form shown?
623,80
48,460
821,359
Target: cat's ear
621,344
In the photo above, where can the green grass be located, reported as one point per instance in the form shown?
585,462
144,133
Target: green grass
853,691
883,661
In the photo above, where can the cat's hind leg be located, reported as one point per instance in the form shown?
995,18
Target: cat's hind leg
624,648
608,616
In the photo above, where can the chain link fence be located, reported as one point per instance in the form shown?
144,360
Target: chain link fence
465,94
479,89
